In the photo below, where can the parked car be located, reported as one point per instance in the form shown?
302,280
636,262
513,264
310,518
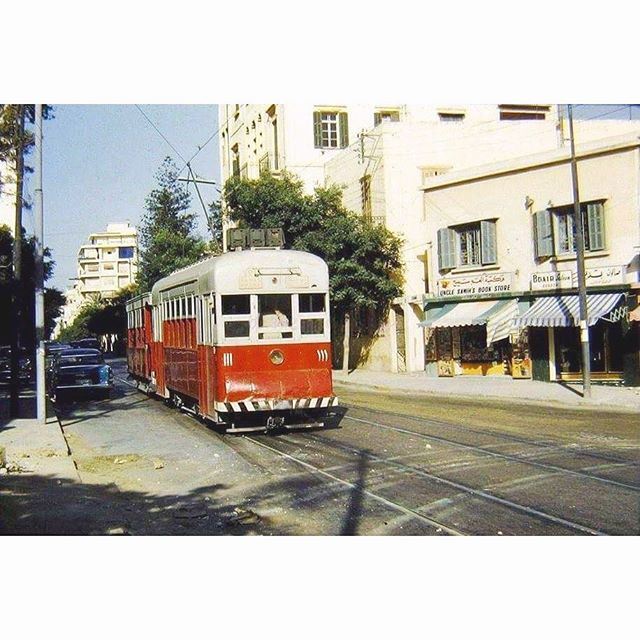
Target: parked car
25,371
86,343
79,371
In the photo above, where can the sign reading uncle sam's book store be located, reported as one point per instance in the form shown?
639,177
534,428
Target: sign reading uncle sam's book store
482,284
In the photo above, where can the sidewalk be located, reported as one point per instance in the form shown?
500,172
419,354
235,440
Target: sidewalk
497,388
26,446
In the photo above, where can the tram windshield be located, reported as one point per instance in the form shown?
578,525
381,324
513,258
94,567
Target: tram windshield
274,313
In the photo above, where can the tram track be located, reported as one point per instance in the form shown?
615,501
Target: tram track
552,444
495,454
465,489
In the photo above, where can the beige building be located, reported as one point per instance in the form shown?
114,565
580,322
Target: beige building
106,264
7,197
109,262
502,277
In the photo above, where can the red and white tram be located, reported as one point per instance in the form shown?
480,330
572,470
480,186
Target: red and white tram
241,339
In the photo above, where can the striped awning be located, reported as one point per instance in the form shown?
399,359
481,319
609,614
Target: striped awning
564,311
496,314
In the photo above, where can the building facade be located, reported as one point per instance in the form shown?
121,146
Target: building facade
502,287
106,264
7,197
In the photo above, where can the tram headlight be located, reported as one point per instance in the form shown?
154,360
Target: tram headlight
276,357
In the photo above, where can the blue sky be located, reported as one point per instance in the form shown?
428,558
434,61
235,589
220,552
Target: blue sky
99,165
100,161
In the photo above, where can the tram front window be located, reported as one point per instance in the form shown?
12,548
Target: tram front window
274,312
236,329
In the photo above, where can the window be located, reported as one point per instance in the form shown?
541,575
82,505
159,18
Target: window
311,302
467,245
555,229
387,115
311,307
235,161
274,313
236,306
330,129
451,116
523,111
125,253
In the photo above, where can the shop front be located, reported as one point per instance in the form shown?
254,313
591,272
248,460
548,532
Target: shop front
475,338
554,320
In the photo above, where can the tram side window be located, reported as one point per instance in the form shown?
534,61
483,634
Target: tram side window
274,310
311,302
237,305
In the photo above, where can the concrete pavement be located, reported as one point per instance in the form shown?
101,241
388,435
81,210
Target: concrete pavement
612,398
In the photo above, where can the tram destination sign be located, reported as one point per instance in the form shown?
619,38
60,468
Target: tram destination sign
483,284
595,277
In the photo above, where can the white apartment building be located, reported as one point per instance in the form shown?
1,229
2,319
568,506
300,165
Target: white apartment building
109,262
106,264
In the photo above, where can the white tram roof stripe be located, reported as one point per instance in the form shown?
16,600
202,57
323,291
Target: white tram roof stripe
223,274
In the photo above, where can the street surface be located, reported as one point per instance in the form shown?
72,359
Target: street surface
390,465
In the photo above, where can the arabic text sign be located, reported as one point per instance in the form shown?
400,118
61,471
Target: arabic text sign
476,285
595,277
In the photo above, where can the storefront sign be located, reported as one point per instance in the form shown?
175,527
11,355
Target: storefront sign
595,277
475,285
551,280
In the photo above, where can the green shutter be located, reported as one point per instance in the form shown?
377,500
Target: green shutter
446,248
317,129
543,234
488,242
595,220
343,124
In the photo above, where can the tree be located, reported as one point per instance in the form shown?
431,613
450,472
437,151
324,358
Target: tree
54,299
167,237
365,267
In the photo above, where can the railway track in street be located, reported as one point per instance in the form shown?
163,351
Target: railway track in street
503,456
411,471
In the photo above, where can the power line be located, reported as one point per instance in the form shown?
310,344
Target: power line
160,132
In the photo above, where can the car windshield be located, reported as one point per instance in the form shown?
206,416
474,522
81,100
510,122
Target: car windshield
80,359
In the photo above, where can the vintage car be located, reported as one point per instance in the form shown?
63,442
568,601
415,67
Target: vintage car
25,371
86,343
79,371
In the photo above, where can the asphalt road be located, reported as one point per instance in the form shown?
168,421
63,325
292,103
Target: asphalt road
388,466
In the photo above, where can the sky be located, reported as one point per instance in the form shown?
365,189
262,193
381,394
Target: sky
99,163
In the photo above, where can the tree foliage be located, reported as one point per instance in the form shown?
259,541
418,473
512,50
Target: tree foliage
53,298
365,268
167,234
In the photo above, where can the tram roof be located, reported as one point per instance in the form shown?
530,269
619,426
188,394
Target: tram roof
247,271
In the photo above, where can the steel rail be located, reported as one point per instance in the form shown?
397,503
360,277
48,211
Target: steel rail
551,444
461,487
374,496
495,454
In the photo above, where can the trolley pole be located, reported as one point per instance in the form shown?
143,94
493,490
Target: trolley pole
582,288
39,272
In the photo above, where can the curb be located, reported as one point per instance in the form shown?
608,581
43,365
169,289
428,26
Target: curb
582,405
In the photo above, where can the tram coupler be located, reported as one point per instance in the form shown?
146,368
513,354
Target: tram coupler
274,423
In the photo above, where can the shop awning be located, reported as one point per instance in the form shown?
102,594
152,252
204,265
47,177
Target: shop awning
564,311
498,315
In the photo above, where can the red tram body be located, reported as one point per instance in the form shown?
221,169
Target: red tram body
239,339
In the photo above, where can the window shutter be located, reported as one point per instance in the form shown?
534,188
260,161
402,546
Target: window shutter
446,248
377,119
489,249
343,121
317,129
543,232
595,220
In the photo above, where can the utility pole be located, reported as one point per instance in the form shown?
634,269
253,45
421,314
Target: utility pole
17,269
196,182
41,400
582,288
